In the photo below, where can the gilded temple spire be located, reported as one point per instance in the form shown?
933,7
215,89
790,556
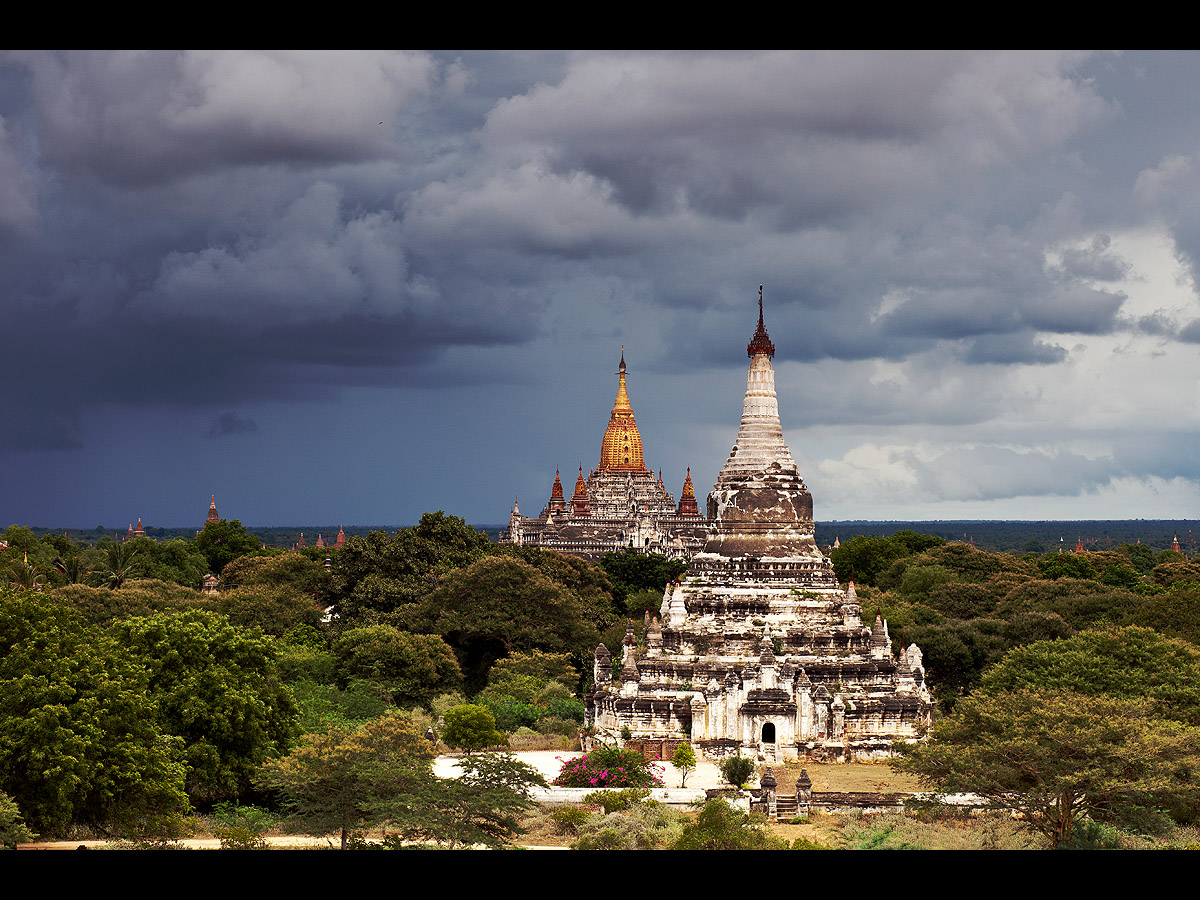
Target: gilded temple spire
622,446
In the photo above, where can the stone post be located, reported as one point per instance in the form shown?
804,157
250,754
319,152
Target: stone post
768,784
803,793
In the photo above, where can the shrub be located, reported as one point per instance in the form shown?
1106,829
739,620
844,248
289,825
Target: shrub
250,817
569,819
644,826
721,827
556,725
736,770
471,728
238,837
616,801
12,826
511,713
609,767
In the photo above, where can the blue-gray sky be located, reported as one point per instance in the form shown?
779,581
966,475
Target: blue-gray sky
353,287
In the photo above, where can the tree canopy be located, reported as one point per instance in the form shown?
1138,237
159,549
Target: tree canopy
80,741
412,668
383,572
345,779
1057,758
217,687
498,606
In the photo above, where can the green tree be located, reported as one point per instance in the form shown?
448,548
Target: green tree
217,687
720,826
1127,663
471,727
12,827
483,806
684,759
736,770
344,779
384,572
632,573
413,668
79,738
1056,758
176,561
224,541
499,606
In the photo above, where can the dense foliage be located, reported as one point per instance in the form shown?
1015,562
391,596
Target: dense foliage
80,737
217,687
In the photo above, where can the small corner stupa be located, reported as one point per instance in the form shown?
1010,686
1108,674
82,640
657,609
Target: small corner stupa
757,649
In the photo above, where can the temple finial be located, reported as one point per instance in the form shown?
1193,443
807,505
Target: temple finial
760,343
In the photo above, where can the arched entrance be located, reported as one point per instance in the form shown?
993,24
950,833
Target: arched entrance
768,733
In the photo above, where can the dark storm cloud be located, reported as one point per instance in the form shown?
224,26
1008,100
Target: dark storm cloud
227,424
140,117
201,230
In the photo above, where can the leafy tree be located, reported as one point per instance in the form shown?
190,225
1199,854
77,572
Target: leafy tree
176,561
632,572
540,668
720,826
471,728
217,687
499,606
1056,758
684,759
1066,565
79,738
1126,663
382,572
274,609
413,668
12,826
346,779
736,770
293,572
139,597
224,541
121,562
1140,556
481,807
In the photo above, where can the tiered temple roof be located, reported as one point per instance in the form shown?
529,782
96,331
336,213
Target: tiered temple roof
619,504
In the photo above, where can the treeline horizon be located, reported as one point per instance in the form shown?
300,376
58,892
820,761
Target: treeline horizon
1002,535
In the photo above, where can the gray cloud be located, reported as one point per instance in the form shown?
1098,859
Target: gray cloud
228,424
199,231
140,117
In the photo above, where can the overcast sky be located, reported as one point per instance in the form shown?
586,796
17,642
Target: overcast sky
353,287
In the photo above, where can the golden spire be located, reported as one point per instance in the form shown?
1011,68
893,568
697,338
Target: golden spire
622,446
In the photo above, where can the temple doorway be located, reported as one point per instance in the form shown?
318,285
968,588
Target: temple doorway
768,733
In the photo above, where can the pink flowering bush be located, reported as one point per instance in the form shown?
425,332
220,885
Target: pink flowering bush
609,767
